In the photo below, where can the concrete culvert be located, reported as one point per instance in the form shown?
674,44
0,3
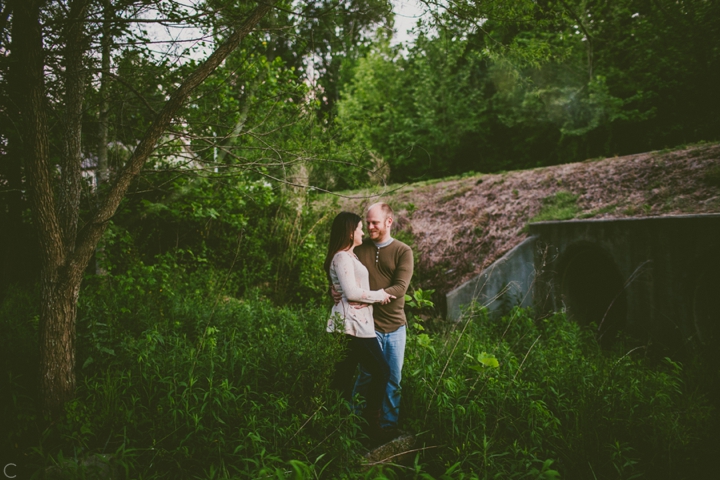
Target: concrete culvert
592,290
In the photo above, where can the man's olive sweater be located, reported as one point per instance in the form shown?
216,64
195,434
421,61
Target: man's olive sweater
390,268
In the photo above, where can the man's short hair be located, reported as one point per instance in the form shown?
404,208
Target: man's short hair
387,210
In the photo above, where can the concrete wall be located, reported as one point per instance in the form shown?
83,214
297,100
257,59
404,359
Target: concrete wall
505,283
656,279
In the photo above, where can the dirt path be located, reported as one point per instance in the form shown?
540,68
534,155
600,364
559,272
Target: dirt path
460,226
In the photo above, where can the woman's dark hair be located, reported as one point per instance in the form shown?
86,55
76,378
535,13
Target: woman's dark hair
341,236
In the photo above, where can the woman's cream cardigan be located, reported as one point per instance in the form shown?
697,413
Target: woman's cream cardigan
350,278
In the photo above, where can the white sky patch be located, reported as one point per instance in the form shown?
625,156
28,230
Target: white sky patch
407,13
171,40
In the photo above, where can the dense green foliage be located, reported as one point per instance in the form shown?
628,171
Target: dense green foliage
259,118
323,98
488,86
201,351
178,380
247,227
557,405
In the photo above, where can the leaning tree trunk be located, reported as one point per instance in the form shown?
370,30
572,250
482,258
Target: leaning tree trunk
66,252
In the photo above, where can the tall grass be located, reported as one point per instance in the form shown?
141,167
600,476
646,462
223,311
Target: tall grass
177,380
556,406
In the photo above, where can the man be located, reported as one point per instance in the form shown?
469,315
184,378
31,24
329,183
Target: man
390,266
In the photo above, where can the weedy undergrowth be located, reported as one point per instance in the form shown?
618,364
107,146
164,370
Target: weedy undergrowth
178,380
520,398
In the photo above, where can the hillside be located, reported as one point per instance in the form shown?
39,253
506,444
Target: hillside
461,225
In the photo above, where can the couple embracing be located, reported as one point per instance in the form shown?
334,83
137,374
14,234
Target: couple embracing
369,280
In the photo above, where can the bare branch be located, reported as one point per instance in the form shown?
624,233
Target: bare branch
93,230
27,38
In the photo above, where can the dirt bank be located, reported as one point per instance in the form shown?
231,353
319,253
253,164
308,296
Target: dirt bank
462,225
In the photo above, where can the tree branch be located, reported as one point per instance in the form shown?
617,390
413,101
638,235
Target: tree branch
27,43
93,230
132,89
71,175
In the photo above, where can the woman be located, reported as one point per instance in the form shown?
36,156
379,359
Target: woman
350,278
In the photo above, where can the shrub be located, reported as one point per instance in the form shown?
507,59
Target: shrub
556,404
19,312
178,380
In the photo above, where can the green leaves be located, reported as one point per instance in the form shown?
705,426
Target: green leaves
499,85
420,299
546,403
484,360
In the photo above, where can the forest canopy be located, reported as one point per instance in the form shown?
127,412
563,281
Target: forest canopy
490,86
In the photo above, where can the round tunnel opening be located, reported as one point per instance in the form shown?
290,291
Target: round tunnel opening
592,291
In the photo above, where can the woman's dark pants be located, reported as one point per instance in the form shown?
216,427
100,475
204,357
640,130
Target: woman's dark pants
367,353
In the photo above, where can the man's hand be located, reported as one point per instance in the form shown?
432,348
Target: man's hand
338,297
388,298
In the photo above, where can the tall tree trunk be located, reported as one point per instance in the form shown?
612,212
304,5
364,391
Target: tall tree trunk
57,340
57,333
102,174
103,169
14,251
64,252
70,189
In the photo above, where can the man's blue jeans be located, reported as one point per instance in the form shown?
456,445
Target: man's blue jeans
393,347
